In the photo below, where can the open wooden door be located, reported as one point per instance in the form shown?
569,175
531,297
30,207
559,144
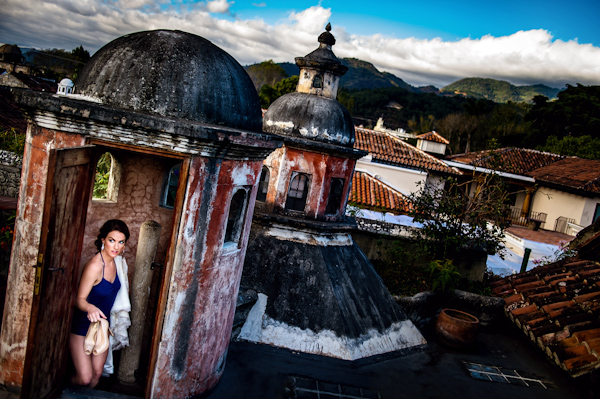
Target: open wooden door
57,272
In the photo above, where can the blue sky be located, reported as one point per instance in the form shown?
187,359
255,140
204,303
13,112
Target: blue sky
423,42
450,20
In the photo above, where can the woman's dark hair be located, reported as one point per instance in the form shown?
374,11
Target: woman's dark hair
111,225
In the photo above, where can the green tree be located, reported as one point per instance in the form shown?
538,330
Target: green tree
265,73
575,113
13,141
269,93
582,147
460,216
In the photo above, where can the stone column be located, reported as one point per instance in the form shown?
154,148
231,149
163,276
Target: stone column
140,290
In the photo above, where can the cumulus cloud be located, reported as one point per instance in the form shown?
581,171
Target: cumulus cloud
219,6
525,57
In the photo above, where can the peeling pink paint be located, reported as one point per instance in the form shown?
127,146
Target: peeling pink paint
208,272
21,275
322,168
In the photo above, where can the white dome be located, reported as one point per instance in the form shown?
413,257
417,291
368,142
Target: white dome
66,82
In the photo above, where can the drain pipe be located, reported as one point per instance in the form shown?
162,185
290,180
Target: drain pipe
525,259
140,290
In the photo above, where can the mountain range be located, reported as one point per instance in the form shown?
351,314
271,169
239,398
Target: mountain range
363,75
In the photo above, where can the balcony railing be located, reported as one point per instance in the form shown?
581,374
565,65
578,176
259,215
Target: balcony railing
517,217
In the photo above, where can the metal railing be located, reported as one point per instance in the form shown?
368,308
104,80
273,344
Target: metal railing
561,224
517,217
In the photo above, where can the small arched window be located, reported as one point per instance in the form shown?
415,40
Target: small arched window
263,184
107,179
235,219
170,187
335,196
297,192
318,82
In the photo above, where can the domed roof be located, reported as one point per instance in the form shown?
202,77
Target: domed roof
66,82
303,115
174,74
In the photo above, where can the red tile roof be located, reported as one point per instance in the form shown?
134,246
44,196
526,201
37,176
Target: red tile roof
368,192
37,83
388,149
558,308
577,173
433,136
510,160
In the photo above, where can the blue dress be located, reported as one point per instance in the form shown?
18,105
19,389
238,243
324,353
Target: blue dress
103,297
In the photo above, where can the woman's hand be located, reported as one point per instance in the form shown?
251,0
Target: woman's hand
94,314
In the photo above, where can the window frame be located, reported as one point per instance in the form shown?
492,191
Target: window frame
305,192
235,229
263,184
339,198
167,185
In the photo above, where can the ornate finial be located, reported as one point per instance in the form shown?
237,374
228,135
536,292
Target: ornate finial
326,37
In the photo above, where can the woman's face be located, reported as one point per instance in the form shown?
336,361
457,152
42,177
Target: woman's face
114,243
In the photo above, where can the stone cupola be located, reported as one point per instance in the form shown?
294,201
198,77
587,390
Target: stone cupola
320,71
312,112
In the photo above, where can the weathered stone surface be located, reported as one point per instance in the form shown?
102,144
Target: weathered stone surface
10,179
175,74
310,117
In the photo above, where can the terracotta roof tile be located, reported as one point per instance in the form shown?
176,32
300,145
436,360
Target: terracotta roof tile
576,173
558,307
388,149
433,136
371,193
510,160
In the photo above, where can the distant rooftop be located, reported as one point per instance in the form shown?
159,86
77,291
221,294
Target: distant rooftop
387,149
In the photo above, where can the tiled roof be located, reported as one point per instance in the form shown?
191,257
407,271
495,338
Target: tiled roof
10,114
387,149
37,83
558,308
371,193
510,160
577,173
433,136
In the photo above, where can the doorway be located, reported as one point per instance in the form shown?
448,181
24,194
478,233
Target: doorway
71,219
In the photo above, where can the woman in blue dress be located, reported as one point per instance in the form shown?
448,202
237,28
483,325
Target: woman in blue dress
98,288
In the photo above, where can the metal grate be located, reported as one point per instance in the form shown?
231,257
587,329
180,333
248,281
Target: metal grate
305,388
507,376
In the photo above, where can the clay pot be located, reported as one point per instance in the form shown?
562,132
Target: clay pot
457,329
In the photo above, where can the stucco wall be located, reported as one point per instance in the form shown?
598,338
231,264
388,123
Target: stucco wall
404,180
21,276
558,203
321,168
137,201
203,285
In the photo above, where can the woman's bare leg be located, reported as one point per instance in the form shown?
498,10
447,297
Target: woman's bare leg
88,368
82,362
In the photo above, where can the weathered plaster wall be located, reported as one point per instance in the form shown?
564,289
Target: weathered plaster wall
402,179
204,281
559,203
138,201
19,299
322,168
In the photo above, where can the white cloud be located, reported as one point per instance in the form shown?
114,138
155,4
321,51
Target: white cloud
525,57
219,6
263,4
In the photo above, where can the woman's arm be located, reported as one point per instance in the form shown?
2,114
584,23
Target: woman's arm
92,274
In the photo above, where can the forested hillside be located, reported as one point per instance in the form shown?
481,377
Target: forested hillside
498,90
569,124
